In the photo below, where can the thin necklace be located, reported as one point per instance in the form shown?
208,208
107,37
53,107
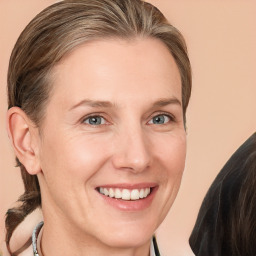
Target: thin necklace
40,225
34,237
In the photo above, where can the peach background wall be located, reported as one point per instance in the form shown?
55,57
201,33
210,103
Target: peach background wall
221,38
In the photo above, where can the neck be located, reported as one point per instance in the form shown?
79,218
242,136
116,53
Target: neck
63,241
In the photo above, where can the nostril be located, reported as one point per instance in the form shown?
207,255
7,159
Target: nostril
131,152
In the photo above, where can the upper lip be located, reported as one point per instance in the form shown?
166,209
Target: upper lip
129,185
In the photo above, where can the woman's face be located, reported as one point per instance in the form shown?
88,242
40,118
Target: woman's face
112,145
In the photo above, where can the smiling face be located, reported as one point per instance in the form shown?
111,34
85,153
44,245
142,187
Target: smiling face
112,145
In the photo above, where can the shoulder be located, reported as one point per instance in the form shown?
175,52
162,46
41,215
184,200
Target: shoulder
27,252
21,239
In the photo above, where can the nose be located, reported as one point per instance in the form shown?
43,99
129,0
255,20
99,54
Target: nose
132,151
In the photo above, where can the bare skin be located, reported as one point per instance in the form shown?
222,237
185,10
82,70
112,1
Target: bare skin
114,120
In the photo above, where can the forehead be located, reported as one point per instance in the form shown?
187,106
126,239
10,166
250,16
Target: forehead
116,70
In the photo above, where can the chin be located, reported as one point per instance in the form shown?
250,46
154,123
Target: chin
128,237
127,241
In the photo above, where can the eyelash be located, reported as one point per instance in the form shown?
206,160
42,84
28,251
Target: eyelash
94,116
168,115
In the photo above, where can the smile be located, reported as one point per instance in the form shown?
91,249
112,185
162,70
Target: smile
125,194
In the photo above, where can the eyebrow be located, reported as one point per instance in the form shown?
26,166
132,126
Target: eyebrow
93,103
165,102
108,104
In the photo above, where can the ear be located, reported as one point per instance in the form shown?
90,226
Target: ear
24,137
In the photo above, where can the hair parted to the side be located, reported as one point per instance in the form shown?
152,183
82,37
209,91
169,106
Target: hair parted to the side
58,30
226,223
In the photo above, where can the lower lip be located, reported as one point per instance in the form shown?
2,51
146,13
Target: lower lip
130,205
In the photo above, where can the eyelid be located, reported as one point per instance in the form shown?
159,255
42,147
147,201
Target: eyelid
84,118
169,115
102,115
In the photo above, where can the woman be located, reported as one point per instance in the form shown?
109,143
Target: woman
98,92
226,223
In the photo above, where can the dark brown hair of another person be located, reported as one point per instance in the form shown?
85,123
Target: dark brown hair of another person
226,223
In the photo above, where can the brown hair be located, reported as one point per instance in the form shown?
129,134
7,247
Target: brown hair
56,31
226,223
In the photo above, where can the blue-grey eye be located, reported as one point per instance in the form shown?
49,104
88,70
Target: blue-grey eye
95,120
159,119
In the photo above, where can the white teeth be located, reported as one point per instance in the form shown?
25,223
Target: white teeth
135,194
125,194
105,191
142,193
111,192
118,193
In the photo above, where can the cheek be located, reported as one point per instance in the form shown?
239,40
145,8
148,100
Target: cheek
68,168
172,154
170,160
73,159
